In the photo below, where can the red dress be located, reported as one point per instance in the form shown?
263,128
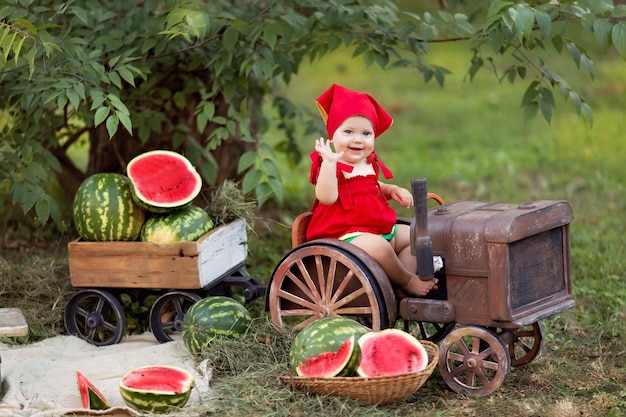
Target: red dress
361,206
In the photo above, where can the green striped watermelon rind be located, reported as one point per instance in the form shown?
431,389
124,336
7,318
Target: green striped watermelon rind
160,180
104,209
326,334
214,316
187,224
155,400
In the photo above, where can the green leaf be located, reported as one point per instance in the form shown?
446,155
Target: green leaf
588,65
72,96
523,19
574,52
117,103
557,42
80,90
477,63
618,35
495,7
251,180
112,124
80,13
42,208
270,168
127,75
176,17
27,199
619,10
544,22
246,161
230,38
270,36
602,31
586,113
531,93
126,122
101,115
115,79
546,103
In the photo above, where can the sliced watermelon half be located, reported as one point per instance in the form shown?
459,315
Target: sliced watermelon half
156,389
163,180
90,396
344,362
391,352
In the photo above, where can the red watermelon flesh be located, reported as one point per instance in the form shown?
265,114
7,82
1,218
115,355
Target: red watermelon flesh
163,379
90,397
391,352
163,179
330,364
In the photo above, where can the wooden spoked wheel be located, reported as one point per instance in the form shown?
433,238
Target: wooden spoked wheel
167,313
525,343
318,280
96,316
473,360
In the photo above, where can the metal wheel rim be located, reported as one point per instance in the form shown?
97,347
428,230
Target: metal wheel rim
473,360
95,316
526,343
348,288
168,312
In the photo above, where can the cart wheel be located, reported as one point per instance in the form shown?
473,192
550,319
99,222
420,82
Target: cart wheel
167,313
433,332
323,278
473,360
525,343
95,316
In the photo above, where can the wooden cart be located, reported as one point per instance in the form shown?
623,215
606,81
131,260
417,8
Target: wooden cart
506,267
175,276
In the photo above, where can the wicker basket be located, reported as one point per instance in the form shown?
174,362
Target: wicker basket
375,390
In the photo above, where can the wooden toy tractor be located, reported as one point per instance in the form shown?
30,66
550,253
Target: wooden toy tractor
506,267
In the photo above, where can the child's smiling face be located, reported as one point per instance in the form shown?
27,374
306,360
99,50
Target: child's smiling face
355,138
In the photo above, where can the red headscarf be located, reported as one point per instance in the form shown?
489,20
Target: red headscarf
338,103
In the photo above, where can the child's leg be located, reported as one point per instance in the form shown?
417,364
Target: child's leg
383,253
401,243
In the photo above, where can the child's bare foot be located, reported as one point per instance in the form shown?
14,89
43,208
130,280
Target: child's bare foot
419,288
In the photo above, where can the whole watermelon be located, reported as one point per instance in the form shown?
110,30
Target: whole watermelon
214,316
104,209
326,334
183,225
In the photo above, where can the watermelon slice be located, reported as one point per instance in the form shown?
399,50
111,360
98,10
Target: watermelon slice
344,362
391,352
156,389
90,396
163,180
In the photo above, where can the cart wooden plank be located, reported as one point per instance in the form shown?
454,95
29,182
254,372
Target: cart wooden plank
186,265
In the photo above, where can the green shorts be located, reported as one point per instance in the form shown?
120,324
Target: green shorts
348,237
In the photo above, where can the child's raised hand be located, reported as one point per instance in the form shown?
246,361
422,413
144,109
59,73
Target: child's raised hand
325,151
